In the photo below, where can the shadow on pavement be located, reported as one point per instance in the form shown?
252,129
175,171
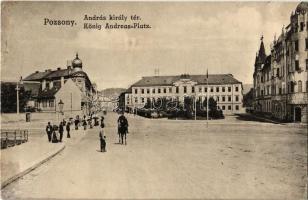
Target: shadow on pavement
249,117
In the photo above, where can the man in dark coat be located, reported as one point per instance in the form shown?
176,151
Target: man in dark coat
76,123
49,131
68,128
102,122
61,130
84,123
122,128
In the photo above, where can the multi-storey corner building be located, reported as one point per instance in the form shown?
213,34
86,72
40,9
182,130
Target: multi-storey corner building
224,88
280,79
70,85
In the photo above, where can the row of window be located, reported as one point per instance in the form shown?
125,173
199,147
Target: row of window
177,89
237,107
223,99
291,88
45,103
222,107
297,67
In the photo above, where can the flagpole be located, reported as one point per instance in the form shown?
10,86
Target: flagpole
207,98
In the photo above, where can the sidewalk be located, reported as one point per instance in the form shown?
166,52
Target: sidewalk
293,124
19,160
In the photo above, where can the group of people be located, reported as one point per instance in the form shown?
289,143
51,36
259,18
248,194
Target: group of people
85,121
55,133
53,130
122,131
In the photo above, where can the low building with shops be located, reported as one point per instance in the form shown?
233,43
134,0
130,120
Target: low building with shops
224,88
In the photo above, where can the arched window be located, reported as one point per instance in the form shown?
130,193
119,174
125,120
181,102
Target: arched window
300,87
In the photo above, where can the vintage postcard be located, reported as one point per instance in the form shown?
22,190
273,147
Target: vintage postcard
154,100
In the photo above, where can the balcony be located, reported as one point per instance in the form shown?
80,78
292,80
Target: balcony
279,97
298,98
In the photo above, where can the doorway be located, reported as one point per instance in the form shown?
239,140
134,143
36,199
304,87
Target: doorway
298,114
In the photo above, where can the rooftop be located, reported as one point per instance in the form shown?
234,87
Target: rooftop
213,79
47,74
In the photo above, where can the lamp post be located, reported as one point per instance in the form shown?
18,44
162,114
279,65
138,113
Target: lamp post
60,104
17,98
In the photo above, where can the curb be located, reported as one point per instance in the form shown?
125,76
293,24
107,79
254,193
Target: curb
29,169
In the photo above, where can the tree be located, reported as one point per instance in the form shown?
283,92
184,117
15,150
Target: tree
148,104
248,98
188,106
9,99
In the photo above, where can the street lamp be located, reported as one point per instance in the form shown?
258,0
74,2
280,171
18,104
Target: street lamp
61,104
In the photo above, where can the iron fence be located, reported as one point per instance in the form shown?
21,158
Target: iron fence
13,137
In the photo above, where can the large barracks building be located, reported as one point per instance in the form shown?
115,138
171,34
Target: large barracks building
71,85
280,77
224,88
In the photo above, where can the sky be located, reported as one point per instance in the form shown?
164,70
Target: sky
185,37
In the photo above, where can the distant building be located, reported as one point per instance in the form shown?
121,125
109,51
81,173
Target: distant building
109,98
280,78
224,88
71,85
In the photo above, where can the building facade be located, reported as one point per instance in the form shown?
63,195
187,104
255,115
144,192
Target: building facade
280,78
224,88
70,85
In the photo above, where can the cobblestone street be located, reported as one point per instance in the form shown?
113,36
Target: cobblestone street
231,159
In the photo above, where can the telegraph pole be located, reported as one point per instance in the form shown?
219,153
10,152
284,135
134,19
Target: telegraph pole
195,107
17,98
207,98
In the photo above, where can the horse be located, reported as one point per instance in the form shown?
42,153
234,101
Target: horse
122,130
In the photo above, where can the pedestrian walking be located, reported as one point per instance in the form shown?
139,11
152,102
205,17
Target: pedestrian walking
68,128
76,123
61,130
102,138
64,122
90,121
49,131
84,123
102,122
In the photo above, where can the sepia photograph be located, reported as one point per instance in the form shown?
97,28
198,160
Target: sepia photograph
154,100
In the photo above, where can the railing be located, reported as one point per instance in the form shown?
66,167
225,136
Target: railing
13,137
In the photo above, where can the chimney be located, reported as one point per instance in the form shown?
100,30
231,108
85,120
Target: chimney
44,84
62,81
69,63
